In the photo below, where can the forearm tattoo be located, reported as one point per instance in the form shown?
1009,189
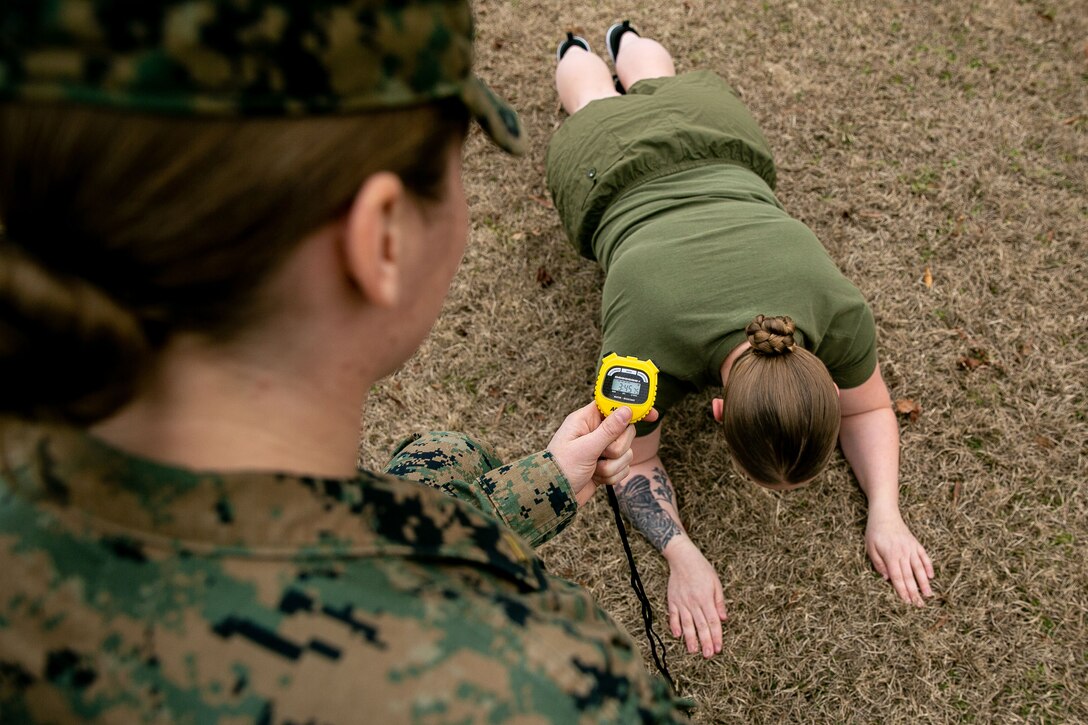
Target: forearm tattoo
640,502
663,490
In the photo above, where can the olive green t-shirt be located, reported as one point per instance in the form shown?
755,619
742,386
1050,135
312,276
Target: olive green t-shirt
693,256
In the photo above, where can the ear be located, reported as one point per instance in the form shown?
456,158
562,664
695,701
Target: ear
717,406
374,237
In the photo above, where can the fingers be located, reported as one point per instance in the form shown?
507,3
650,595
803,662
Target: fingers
909,570
898,582
903,581
921,575
713,645
621,445
691,638
702,629
609,472
912,586
925,561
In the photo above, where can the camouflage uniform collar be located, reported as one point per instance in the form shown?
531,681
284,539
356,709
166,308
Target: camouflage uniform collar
90,484
256,58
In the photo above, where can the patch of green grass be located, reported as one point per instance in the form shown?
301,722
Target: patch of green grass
923,182
1063,539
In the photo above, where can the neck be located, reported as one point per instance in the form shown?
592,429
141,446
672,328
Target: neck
204,411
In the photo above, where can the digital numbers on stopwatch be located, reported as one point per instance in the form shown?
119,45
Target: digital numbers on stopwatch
626,381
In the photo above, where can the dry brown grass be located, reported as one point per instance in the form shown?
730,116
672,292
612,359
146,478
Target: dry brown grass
947,135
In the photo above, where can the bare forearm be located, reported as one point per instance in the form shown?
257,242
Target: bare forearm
870,442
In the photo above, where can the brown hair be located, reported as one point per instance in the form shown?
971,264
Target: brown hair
781,412
124,229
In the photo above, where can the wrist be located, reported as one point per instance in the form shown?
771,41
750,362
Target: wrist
886,509
678,548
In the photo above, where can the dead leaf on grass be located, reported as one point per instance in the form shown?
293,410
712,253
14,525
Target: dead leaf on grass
1043,442
543,278
908,408
542,200
975,358
927,278
956,488
966,362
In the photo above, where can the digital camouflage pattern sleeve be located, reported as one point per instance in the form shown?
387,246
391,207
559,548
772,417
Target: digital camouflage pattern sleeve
531,496
134,591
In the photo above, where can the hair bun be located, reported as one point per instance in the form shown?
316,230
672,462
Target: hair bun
68,352
770,336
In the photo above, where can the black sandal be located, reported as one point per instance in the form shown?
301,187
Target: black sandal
571,41
613,35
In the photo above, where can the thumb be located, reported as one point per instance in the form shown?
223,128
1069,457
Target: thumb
609,430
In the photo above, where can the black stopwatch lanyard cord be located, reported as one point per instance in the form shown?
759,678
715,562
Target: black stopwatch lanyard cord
636,584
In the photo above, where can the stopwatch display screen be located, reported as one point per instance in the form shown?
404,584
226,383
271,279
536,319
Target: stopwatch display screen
626,385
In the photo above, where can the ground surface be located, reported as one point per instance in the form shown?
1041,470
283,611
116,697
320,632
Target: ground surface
910,136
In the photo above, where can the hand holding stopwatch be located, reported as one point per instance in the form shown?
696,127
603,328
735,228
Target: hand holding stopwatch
626,381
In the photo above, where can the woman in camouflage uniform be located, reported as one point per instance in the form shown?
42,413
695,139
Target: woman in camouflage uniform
224,222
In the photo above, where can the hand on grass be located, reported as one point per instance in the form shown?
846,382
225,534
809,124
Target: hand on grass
592,449
696,604
899,557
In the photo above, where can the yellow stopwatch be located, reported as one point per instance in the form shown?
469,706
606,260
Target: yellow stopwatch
626,381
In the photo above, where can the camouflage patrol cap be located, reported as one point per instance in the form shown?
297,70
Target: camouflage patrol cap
247,57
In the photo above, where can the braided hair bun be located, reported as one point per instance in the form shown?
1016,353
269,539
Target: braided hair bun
770,336
781,411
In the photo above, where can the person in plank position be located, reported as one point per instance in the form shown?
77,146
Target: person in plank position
667,182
